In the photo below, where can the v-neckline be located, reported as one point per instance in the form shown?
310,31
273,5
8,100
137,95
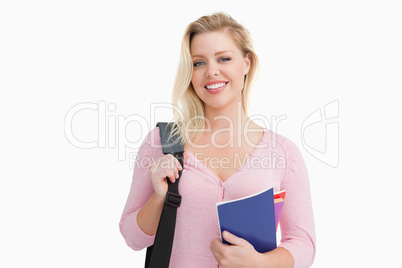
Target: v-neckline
249,157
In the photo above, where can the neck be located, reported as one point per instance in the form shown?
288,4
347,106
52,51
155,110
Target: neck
231,117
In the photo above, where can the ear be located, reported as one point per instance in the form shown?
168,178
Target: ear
247,61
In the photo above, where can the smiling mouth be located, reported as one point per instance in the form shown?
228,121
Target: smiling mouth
216,86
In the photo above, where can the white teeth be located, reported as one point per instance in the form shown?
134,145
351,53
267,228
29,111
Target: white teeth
216,86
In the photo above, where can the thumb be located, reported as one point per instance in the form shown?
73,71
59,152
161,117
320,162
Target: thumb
185,157
234,240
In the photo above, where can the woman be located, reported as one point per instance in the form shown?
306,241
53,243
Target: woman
222,149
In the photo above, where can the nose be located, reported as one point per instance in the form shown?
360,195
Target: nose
212,70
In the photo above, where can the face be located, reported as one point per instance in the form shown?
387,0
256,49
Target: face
218,69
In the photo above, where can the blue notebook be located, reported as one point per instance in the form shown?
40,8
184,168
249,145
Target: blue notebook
251,218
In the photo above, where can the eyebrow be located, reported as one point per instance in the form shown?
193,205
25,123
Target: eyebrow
217,53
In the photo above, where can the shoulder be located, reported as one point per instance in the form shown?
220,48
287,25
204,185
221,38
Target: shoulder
289,159
151,144
283,145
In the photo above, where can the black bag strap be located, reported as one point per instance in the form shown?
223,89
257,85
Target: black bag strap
158,255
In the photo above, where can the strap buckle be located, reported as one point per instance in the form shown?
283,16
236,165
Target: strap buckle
173,199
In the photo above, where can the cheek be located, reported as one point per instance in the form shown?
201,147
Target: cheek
195,79
237,75
240,71
196,82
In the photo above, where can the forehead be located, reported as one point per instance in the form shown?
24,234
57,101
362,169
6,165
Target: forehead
205,44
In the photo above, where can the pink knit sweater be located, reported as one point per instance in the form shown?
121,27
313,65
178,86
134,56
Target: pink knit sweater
276,162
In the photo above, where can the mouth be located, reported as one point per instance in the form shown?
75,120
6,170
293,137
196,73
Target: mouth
219,85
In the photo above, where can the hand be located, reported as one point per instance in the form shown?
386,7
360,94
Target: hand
240,254
162,167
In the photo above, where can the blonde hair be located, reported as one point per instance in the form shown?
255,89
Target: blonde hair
188,107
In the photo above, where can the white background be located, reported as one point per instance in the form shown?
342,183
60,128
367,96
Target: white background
60,204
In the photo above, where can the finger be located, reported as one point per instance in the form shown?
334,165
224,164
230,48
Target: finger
171,175
152,166
216,247
232,239
176,166
185,157
176,162
216,254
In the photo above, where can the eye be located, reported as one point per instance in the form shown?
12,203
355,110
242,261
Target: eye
224,59
198,64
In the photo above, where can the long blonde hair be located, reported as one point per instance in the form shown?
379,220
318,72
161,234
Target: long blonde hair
188,107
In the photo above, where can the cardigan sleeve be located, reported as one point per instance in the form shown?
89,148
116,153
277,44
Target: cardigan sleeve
297,219
140,191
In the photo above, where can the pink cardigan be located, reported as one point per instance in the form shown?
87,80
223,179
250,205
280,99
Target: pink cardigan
276,162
